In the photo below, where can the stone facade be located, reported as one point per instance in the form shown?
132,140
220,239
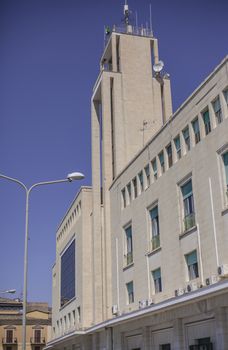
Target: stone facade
150,236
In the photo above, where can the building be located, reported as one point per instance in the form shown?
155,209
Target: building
38,325
141,259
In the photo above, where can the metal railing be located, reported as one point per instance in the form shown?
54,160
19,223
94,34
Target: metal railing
155,242
37,340
9,340
189,221
134,30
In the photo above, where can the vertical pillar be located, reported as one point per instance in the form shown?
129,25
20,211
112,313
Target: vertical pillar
221,328
178,336
96,227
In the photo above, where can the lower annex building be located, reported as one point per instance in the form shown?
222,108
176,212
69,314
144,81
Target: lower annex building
141,256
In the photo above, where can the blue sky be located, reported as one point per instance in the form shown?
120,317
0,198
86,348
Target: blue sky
49,61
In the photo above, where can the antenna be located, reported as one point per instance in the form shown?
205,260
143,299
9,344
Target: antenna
151,20
126,13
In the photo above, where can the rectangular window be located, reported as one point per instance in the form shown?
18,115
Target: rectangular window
225,93
207,122
128,245
162,162
192,264
140,175
129,191
9,336
196,130
68,274
186,136
79,314
225,162
37,336
73,317
165,347
218,110
188,205
155,239
178,146
154,167
169,155
130,292
157,280
123,197
147,173
134,182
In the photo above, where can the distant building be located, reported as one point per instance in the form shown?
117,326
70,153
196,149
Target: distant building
38,325
141,257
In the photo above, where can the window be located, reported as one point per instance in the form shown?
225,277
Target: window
169,155
37,336
165,347
178,146
202,344
68,274
225,162
217,110
186,136
129,191
161,160
188,205
9,336
156,274
154,167
140,175
147,173
129,245
134,182
207,122
196,130
225,93
123,197
155,240
130,292
192,264
79,314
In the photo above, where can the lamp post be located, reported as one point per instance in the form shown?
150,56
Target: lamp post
70,177
8,291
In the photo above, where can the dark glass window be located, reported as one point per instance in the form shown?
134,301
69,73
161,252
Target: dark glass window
68,274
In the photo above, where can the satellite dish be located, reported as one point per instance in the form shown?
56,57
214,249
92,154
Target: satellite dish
157,67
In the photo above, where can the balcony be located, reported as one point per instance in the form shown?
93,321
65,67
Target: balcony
155,242
189,221
37,340
9,341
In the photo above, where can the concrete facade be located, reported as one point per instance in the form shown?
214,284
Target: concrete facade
151,242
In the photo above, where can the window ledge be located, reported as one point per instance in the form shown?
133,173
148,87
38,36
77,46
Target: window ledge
224,211
188,232
152,252
128,266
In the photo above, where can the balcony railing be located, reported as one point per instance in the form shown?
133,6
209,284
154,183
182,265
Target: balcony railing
155,242
37,340
189,221
129,258
9,340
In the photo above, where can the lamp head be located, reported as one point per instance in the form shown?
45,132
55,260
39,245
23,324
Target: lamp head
75,176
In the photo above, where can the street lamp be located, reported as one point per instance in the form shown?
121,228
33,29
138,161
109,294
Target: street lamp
8,291
70,177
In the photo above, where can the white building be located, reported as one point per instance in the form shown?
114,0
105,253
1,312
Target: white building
141,259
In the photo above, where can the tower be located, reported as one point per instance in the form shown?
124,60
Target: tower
127,97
